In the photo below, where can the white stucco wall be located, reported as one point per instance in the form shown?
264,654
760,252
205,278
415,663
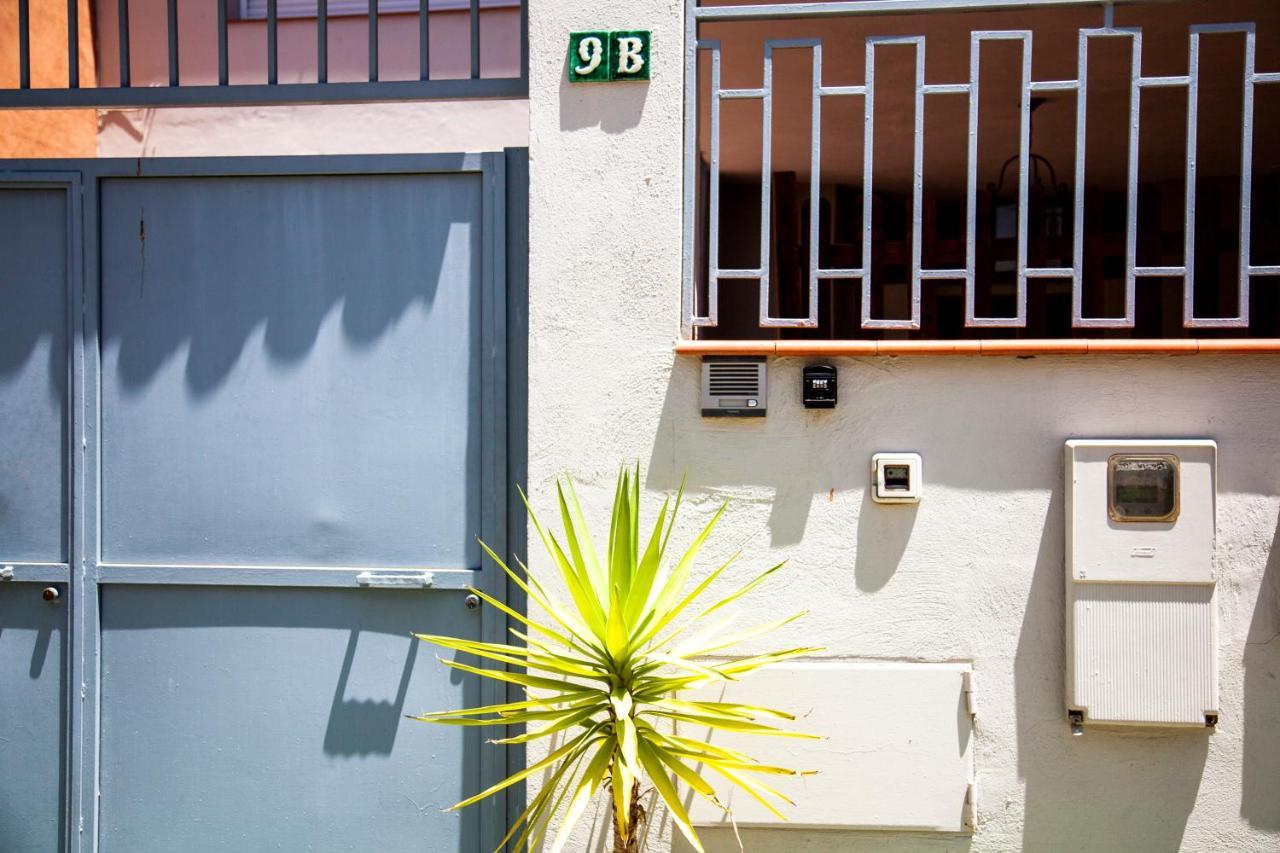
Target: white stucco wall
975,572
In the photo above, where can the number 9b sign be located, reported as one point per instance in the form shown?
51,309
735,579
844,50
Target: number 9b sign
601,57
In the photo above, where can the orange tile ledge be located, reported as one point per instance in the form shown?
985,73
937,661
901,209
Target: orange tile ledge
1065,346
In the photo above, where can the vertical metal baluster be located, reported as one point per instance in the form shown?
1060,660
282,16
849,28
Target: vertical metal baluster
322,41
73,44
1246,176
24,45
971,189
766,186
868,139
1131,230
815,180
1024,179
475,40
172,20
424,39
122,21
272,67
713,197
222,42
373,41
688,298
917,186
524,40
1077,223
1189,220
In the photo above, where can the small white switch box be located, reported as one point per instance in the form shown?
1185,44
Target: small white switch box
896,478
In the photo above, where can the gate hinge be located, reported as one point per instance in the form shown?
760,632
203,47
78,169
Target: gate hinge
398,580
970,695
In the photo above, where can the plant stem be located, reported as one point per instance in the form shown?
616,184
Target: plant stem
638,818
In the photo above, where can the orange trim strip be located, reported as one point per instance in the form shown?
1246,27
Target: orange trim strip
1063,346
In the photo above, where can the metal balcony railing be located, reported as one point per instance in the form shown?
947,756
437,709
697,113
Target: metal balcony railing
703,271
223,89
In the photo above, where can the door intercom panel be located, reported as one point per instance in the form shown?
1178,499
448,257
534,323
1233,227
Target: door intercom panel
1141,608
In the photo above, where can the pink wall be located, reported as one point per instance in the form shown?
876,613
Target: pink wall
348,45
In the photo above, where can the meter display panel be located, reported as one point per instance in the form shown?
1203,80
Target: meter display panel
1142,487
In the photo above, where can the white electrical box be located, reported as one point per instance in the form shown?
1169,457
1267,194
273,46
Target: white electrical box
1141,617
896,753
896,478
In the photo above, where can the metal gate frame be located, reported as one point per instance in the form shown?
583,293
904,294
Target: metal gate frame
503,269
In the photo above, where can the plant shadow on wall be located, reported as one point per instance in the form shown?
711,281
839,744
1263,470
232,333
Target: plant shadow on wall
33,372
1080,791
312,244
616,651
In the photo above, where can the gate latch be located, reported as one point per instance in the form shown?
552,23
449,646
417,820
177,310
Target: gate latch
395,580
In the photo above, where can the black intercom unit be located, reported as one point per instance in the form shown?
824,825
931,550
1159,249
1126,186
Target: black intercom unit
819,386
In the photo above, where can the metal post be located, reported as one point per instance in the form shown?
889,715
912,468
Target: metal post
322,41
122,24
24,45
475,39
424,39
272,68
73,44
222,42
172,21
373,40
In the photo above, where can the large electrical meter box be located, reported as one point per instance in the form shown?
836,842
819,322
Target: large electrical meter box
1141,617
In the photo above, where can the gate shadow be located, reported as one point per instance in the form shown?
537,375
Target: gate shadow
365,726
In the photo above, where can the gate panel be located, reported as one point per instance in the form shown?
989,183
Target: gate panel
35,290
273,719
251,456
290,370
299,445
33,373
33,746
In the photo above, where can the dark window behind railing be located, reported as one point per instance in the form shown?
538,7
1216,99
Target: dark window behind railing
982,169
209,52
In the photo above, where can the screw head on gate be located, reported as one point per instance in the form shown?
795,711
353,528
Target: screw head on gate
472,601
51,594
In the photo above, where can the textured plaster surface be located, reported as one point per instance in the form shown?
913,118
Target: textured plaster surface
392,128
975,571
46,133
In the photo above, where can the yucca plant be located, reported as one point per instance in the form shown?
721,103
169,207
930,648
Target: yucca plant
606,673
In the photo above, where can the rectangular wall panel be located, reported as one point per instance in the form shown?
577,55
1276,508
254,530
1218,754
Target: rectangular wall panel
896,753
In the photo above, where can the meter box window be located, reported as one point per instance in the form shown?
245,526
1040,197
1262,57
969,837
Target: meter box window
1141,604
1142,487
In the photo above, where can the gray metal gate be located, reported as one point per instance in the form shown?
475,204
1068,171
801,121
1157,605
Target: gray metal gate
253,414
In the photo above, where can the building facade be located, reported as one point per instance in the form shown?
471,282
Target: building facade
951,643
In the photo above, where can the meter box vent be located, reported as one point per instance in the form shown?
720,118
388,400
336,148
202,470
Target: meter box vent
733,387
1141,619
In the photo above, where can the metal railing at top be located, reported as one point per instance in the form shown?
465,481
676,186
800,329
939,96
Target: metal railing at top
272,91
821,91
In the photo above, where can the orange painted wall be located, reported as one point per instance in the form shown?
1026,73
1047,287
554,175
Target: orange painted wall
46,133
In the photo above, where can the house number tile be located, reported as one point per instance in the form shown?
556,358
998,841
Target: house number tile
598,56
